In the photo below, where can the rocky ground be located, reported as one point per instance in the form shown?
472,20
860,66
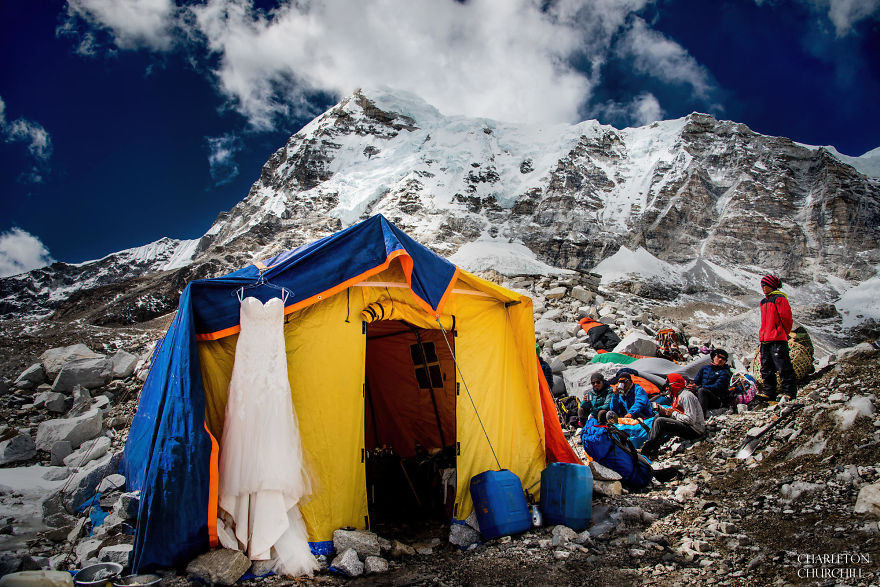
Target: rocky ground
803,509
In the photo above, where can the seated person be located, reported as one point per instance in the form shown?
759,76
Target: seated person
684,419
630,400
712,383
596,402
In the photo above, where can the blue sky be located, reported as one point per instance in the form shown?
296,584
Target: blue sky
123,121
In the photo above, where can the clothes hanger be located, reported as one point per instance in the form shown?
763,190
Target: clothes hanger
261,282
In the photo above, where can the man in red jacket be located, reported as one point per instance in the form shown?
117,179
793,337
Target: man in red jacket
776,322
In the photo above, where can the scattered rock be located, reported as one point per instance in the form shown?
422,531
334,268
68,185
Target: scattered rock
348,563
87,373
123,364
118,553
60,450
74,430
111,482
53,360
375,564
563,535
868,501
221,566
400,550
30,377
88,451
364,543
17,449
461,535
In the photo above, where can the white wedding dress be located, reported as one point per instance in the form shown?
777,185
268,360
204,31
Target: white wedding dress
262,474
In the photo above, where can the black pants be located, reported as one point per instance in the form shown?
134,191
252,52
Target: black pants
709,400
775,358
665,428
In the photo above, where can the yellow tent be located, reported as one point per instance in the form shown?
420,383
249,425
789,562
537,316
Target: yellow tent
387,345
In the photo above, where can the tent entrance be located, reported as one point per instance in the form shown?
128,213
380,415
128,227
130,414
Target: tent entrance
409,426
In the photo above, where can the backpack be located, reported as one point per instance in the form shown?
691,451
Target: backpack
743,388
638,432
667,341
612,448
567,407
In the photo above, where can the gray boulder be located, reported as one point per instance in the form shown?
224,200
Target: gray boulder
637,343
348,563
89,373
60,449
462,535
563,535
117,553
375,564
75,430
30,377
87,550
53,360
60,526
123,364
17,449
82,402
126,507
582,295
55,402
221,566
88,451
83,484
111,482
364,543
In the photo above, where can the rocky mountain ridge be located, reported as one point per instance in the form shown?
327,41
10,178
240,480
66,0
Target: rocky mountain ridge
715,201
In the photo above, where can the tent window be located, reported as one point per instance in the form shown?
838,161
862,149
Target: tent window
430,376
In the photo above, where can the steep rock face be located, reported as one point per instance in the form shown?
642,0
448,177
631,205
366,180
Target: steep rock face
694,191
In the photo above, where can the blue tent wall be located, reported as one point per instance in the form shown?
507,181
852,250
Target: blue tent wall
168,453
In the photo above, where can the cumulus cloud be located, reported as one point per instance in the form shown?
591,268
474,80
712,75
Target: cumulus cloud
132,23
21,251
504,59
221,157
508,58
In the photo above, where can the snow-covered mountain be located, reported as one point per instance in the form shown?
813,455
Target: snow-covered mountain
712,203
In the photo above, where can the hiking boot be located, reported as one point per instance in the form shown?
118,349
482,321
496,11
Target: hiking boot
766,396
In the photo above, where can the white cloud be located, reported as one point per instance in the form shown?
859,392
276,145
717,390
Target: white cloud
843,14
846,13
641,110
660,57
504,59
26,131
132,23
39,143
21,251
223,167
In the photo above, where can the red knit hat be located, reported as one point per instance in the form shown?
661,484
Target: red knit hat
676,382
772,281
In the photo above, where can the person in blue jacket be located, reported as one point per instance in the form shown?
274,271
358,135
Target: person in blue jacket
712,383
596,403
629,399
